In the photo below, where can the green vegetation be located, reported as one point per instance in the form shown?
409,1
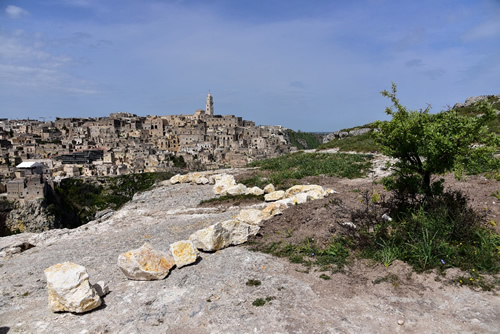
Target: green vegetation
262,302
76,201
362,143
426,144
325,277
430,228
298,165
178,161
472,111
333,257
304,140
444,232
253,282
259,302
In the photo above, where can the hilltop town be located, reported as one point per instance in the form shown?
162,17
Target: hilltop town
36,152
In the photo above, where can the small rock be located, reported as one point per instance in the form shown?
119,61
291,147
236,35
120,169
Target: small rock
274,196
386,217
101,288
69,289
300,198
222,183
211,238
269,188
401,322
255,191
184,253
239,189
273,209
238,232
145,264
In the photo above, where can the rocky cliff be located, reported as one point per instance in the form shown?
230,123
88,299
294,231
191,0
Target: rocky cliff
30,216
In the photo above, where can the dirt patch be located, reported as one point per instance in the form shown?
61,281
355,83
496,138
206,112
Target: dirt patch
323,219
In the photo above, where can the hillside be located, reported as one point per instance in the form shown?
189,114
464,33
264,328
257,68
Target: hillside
219,292
359,138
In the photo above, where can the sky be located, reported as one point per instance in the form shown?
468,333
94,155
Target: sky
309,65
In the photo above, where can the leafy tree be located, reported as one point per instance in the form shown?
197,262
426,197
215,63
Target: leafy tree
426,144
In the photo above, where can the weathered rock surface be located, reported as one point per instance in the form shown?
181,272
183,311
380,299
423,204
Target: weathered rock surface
145,263
274,196
239,189
223,183
250,216
273,209
69,289
184,252
255,191
269,188
211,238
31,216
212,296
238,232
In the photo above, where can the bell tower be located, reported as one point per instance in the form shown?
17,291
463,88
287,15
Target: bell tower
210,105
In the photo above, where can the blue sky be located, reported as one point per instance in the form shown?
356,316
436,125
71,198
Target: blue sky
312,65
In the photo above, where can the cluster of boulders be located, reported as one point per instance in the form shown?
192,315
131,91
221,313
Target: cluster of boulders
473,99
68,283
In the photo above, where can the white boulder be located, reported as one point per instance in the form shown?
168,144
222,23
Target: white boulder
300,198
250,216
184,252
211,238
274,196
255,191
222,235
269,188
273,209
222,183
145,264
239,189
238,232
69,289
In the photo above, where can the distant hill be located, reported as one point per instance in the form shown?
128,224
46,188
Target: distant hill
360,138
304,140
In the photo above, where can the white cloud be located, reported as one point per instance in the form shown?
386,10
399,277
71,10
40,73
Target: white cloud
15,12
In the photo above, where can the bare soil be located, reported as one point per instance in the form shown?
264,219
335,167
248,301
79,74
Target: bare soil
322,219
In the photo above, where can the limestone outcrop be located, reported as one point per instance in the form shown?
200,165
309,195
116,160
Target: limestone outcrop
30,216
69,289
145,263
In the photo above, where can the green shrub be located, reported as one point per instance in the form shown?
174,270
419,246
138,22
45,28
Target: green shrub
443,232
425,144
